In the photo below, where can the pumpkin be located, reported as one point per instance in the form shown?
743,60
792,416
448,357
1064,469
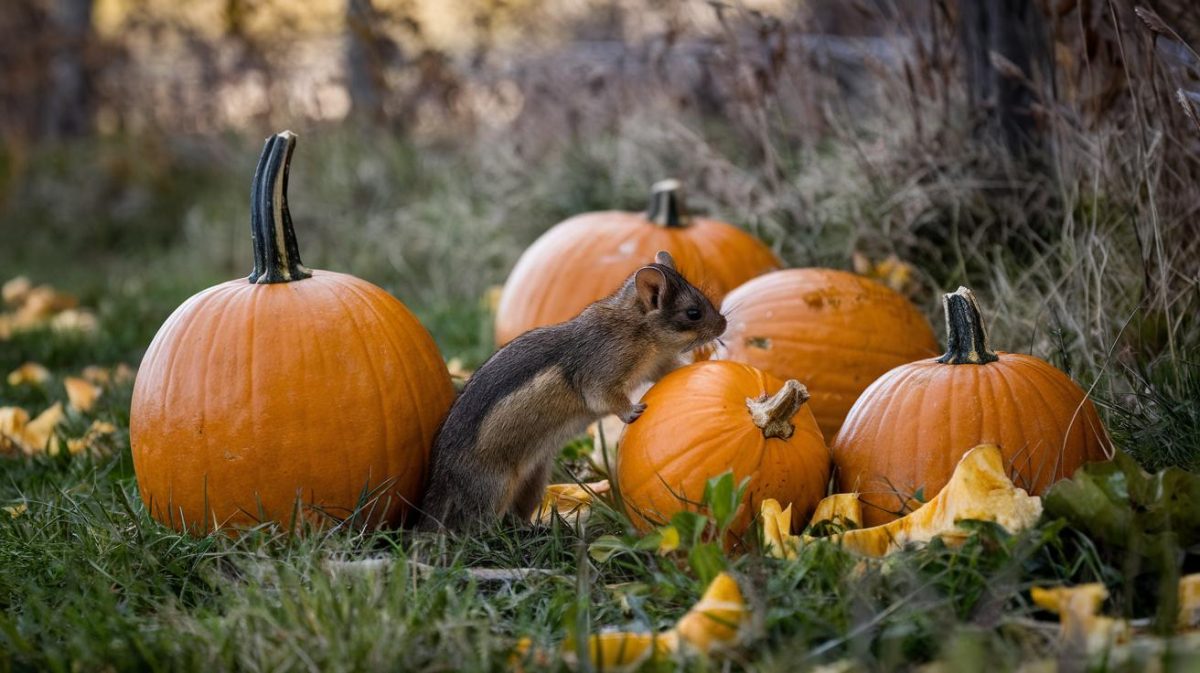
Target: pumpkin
835,331
910,428
293,392
710,417
587,257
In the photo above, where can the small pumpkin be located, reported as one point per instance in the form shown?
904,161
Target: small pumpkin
835,331
293,392
710,417
910,428
586,257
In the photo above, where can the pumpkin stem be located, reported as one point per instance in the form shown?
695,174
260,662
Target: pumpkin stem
666,205
966,336
773,413
276,256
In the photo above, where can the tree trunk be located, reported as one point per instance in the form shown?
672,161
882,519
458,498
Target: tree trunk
364,66
69,101
1004,41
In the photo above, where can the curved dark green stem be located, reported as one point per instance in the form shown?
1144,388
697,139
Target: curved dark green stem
666,205
276,255
966,337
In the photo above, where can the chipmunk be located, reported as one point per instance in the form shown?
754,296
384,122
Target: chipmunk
492,455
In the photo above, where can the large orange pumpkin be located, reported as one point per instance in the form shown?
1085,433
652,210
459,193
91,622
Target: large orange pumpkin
910,428
710,417
587,257
835,331
291,394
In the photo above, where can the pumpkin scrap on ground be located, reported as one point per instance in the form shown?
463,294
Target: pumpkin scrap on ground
979,489
571,502
844,509
715,623
1078,610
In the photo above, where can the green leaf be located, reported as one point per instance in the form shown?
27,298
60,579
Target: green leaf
719,498
690,526
605,547
706,561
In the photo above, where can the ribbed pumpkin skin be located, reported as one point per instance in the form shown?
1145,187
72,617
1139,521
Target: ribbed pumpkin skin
696,426
587,257
253,394
914,424
835,332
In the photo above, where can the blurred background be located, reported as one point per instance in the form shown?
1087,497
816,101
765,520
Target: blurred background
1043,152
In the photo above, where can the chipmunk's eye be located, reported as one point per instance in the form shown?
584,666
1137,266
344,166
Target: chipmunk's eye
693,314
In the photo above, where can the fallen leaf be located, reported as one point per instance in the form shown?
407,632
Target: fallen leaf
30,437
1189,601
39,433
15,511
891,271
42,302
491,298
457,370
90,442
96,374
12,428
122,373
15,290
572,502
74,320
30,372
81,393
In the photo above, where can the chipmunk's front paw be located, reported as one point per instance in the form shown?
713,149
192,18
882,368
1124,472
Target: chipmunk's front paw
634,413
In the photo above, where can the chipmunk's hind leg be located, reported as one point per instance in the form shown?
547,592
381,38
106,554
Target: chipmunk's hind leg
529,493
464,503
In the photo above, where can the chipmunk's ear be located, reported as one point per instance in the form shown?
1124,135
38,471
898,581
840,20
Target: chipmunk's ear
651,285
664,258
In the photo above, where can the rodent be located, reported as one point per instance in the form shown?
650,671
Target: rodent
492,456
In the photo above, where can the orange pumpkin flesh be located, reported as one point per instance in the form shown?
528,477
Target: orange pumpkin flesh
298,393
714,416
586,257
835,331
914,424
